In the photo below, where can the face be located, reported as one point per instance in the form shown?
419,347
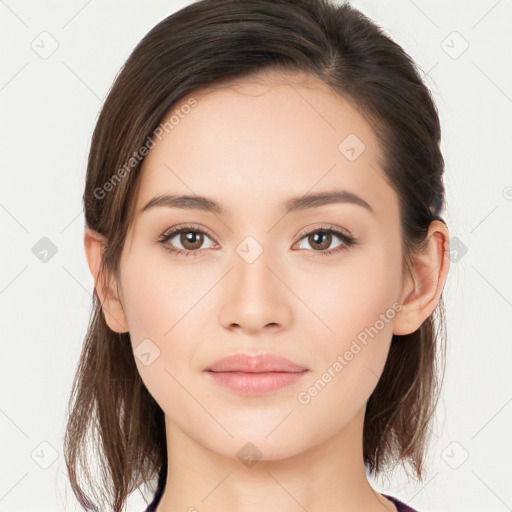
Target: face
255,277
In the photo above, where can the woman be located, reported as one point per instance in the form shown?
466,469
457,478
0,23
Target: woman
262,205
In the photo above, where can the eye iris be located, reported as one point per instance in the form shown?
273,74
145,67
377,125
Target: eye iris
188,238
315,236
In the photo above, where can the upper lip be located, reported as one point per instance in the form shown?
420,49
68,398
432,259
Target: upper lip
258,363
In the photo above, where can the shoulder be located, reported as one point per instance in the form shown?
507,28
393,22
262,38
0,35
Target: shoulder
400,505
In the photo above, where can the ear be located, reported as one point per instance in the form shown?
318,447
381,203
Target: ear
423,288
112,307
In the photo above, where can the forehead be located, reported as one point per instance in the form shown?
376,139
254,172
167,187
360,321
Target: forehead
270,138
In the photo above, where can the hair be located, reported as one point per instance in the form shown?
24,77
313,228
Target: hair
203,45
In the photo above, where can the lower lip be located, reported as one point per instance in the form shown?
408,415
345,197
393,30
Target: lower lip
256,383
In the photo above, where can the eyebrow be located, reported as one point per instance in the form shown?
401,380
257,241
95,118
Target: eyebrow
291,205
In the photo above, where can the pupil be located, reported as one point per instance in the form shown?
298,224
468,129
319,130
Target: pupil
193,239
317,236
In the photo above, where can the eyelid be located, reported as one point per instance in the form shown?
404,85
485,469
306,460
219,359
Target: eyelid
323,226
304,231
169,233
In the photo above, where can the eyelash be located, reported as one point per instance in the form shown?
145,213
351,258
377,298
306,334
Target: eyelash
347,240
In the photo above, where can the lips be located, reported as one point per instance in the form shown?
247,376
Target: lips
255,375
258,363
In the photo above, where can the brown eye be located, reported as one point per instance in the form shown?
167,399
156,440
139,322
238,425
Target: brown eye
191,240
186,240
321,239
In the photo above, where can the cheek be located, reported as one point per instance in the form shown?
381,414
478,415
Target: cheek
355,306
158,295
350,296
159,306
160,302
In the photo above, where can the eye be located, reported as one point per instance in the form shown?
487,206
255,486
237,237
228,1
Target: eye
322,237
191,238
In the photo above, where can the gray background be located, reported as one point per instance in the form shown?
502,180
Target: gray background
49,103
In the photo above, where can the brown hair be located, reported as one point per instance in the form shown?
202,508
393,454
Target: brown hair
201,45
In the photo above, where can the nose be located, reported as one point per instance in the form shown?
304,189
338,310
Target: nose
254,296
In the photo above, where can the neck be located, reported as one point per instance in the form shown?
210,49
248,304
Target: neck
329,476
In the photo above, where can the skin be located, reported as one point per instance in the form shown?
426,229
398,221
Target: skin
250,147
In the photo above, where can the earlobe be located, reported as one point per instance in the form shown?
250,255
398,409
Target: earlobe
94,244
424,287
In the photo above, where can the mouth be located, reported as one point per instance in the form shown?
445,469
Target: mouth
258,363
255,383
